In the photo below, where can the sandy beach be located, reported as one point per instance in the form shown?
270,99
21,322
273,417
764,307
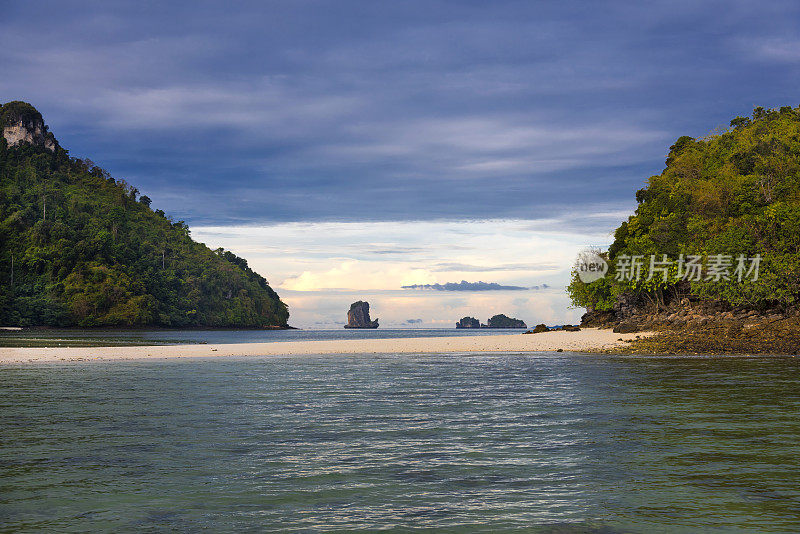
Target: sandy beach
585,340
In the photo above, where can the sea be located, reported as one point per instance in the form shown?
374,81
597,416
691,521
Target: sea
76,337
501,442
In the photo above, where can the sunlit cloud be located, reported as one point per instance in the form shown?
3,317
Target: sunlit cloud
320,268
466,286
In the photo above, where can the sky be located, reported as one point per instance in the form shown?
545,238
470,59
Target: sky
349,148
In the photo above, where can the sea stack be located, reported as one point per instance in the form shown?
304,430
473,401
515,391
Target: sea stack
358,316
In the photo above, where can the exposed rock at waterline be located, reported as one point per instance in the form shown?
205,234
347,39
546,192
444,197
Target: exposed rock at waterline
358,316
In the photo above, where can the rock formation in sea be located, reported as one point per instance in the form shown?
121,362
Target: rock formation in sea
503,321
468,322
358,316
539,328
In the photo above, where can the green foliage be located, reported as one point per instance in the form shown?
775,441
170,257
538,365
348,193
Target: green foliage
597,295
13,112
86,253
733,193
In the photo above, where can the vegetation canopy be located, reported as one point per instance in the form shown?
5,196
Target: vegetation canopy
734,193
78,248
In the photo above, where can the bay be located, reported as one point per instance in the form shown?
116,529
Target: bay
552,442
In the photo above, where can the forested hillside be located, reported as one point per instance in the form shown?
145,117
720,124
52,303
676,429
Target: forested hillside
80,248
728,195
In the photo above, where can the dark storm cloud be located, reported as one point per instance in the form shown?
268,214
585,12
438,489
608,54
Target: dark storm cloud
312,110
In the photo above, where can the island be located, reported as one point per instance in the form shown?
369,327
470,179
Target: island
468,322
496,321
504,321
709,259
358,316
79,247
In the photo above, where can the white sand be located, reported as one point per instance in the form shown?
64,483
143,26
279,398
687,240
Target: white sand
586,339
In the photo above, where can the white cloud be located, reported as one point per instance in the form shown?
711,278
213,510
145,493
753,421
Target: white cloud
328,309
492,144
320,268
773,49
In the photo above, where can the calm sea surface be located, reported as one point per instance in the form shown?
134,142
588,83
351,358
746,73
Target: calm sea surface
546,442
101,337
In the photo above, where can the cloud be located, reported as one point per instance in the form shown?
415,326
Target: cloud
772,49
319,269
509,109
467,268
353,148
341,255
466,286
328,309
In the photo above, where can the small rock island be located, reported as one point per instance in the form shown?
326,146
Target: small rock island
468,322
358,316
504,321
497,321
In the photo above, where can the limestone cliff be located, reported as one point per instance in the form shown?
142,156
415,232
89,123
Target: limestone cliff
22,123
358,316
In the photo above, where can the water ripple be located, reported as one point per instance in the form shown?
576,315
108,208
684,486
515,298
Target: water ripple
553,443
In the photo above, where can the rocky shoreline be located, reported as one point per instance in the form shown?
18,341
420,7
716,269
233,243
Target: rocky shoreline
689,326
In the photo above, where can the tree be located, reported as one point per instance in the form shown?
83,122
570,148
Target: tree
737,192
94,256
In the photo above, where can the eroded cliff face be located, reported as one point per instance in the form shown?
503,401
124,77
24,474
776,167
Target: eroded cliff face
358,316
23,124
27,133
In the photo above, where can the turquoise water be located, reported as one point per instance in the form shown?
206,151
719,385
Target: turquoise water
547,442
104,337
